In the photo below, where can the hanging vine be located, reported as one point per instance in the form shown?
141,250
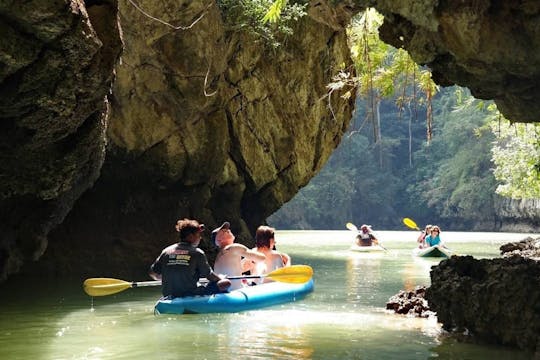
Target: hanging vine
383,71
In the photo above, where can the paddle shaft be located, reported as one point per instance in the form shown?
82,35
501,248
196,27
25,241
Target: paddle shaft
137,284
294,274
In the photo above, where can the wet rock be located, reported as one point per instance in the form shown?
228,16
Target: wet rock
528,248
494,300
412,303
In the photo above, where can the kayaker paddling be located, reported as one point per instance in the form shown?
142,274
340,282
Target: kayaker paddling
366,236
433,238
422,238
180,265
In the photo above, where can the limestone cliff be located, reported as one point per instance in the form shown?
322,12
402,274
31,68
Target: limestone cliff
206,122
56,68
487,46
519,215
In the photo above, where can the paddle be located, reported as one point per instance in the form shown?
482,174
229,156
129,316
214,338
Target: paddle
353,227
294,274
410,223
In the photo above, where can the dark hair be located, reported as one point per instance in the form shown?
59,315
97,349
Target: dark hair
263,236
187,226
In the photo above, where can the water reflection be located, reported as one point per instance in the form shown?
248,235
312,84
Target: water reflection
363,276
344,318
416,272
275,334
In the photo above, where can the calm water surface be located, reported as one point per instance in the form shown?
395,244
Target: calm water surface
344,318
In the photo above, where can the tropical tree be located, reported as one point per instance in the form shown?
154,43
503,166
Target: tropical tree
516,155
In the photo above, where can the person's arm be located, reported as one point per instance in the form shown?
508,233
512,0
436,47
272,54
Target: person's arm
286,259
214,277
246,253
155,269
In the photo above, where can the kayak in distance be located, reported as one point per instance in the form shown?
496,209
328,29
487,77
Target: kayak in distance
372,248
248,298
433,251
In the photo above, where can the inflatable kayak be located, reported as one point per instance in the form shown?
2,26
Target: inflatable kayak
372,248
248,298
433,251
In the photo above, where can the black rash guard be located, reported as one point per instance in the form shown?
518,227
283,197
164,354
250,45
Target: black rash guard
181,265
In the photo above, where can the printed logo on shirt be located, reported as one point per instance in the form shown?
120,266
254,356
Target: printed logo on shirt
179,259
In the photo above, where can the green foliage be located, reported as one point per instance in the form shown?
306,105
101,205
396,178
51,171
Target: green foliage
451,182
456,181
249,15
516,154
275,10
383,70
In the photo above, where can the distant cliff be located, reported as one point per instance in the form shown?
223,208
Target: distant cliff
518,215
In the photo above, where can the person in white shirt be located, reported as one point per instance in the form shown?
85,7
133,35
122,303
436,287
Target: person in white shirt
229,259
265,241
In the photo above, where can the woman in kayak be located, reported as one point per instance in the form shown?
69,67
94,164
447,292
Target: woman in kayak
265,243
366,236
433,238
422,238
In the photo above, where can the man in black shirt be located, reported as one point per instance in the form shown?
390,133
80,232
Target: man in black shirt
180,265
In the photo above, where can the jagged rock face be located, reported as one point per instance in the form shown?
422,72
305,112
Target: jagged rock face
491,47
519,215
528,248
56,62
206,123
495,300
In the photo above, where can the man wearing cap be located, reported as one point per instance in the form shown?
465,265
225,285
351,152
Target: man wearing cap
229,259
366,237
180,265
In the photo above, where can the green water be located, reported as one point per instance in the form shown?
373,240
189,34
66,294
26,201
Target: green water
344,318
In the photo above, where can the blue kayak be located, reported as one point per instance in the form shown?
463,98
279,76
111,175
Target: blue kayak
248,298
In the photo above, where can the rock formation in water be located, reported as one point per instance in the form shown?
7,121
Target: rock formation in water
411,303
206,121
518,215
488,46
495,300
527,248
56,67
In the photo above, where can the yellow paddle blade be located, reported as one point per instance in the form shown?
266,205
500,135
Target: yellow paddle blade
351,226
294,274
104,286
410,223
